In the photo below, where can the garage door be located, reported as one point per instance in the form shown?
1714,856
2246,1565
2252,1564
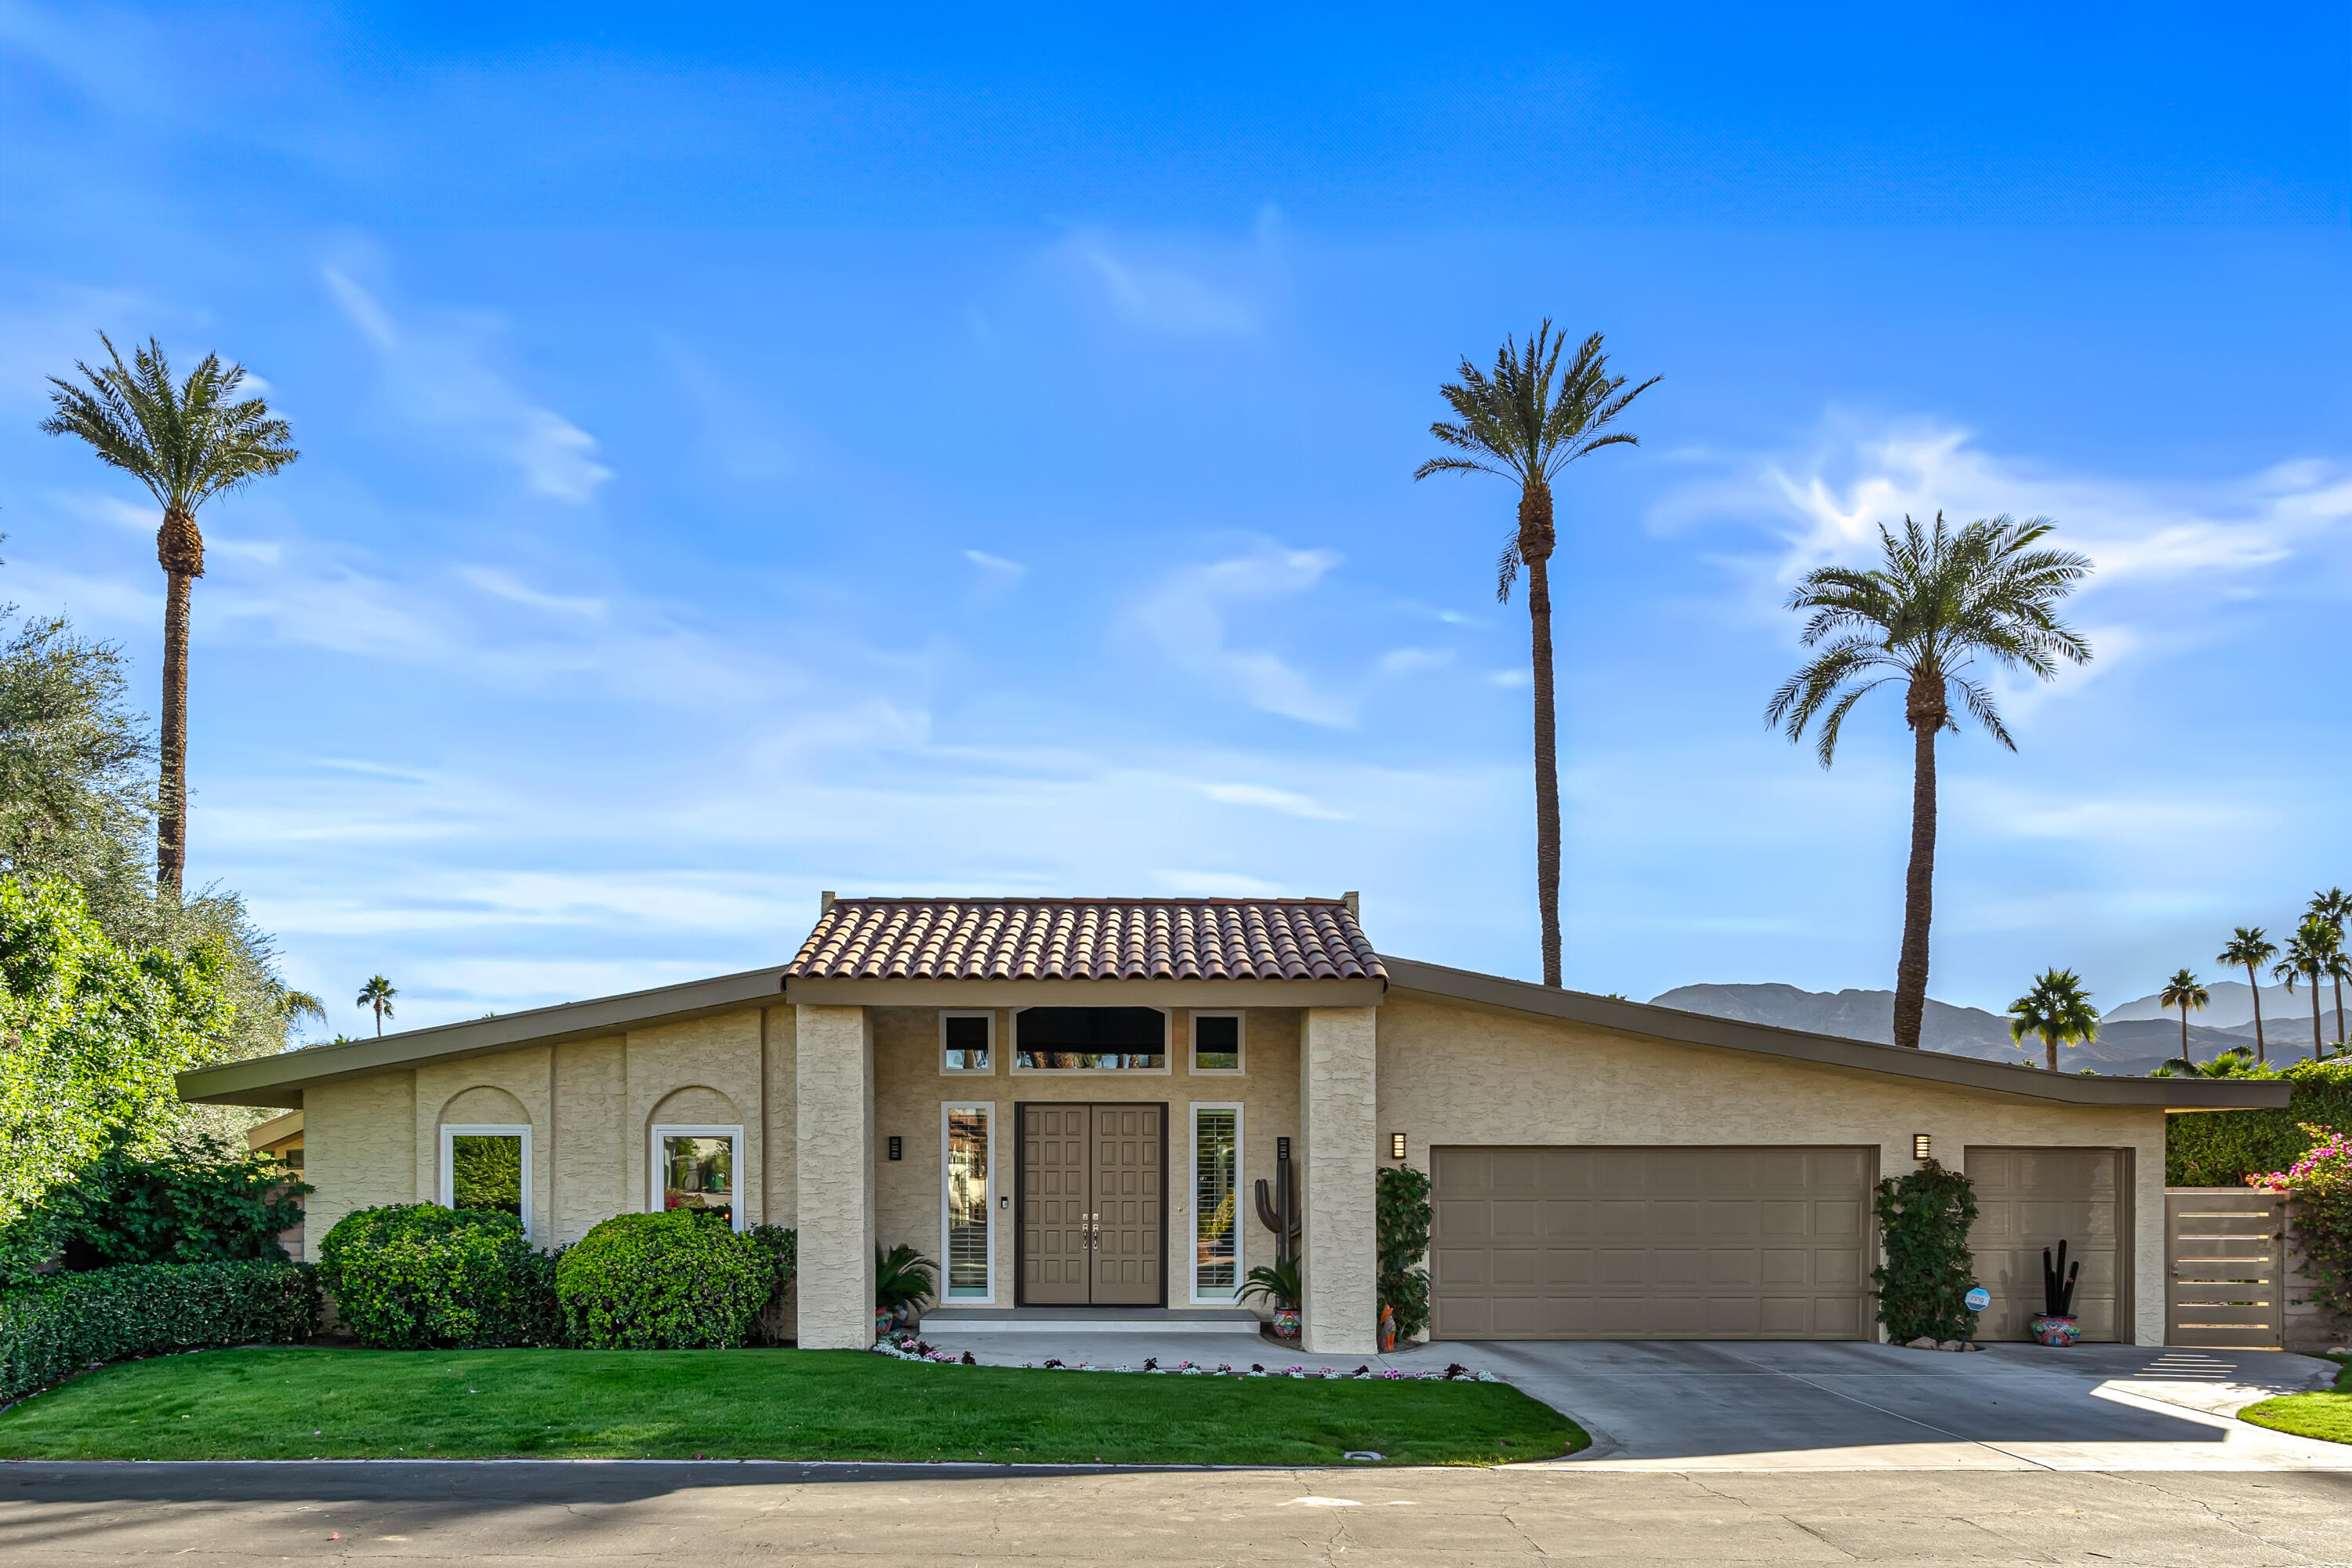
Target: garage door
1650,1243
2027,1199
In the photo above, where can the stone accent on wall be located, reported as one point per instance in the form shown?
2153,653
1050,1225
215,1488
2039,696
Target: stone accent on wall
1339,1058
835,1052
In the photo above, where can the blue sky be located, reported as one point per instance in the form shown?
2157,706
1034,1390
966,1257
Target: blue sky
778,451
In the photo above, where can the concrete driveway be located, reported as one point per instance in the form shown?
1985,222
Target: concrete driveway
1672,1405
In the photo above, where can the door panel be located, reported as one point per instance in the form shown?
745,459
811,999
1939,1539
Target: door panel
1093,1206
1055,1205
1650,1243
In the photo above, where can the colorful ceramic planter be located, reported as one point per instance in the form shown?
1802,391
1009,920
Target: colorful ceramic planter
1285,1322
2049,1331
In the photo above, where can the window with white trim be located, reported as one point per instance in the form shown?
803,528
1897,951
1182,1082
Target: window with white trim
967,1042
968,1200
700,1170
487,1167
1217,1042
1216,1202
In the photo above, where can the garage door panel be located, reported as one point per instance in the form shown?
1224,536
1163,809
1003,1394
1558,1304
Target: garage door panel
2029,1199
1646,1243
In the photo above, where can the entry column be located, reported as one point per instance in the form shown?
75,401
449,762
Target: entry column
1339,1101
836,1085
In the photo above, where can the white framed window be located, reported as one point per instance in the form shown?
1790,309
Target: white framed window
487,1167
967,1041
1090,1040
967,1203
1218,1043
698,1168
1216,1195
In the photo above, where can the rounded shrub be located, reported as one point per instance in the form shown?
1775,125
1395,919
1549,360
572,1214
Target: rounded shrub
664,1281
421,1276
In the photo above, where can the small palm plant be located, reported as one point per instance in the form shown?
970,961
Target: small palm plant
903,1278
2250,949
2313,953
186,443
376,996
2058,1010
2184,992
1277,1284
1941,600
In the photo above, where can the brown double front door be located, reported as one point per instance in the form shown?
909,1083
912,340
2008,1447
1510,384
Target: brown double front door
1093,1201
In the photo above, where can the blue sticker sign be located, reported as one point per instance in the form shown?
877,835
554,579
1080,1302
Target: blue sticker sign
1978,1299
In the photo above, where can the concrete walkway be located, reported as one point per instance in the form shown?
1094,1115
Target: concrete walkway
1689,1406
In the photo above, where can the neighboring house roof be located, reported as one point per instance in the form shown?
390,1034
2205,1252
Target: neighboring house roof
1086,939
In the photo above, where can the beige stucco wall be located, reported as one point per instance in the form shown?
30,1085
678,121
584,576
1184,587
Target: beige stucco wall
834,1078
1454,1073
912,1089
485,1090
1338,1067
360,1149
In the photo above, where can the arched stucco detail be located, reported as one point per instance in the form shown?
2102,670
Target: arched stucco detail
696,1105
483,1106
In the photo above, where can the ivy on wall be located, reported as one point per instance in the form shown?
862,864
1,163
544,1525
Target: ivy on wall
1405,1218
2223,1147
1924,1220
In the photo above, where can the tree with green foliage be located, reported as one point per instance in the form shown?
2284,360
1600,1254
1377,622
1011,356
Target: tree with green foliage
1939,600
218,1204
2058,1010
90,1036
2184,991
2313,953
2223,1147
2335,907
2250,948
186,442
376,996
1525,423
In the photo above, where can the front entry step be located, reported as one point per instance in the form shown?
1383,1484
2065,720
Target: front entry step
1092,1320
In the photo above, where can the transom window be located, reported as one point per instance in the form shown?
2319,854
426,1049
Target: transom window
965,1039
1090,1039
696,1169
1217,1042
487,1168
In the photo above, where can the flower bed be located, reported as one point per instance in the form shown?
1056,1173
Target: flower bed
907,1347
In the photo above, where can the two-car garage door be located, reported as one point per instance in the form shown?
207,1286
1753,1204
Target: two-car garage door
1651,1243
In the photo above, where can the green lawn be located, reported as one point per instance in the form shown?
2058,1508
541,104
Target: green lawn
2327,1416
299,1403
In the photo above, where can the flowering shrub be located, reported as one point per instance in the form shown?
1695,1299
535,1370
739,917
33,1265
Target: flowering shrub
2322,1220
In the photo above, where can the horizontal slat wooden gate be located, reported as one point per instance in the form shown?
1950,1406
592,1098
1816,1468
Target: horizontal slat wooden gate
2226,1249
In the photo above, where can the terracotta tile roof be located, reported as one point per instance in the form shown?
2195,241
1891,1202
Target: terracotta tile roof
1086,939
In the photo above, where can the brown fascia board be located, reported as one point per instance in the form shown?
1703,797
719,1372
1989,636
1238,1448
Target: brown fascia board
2178,1094
279,1080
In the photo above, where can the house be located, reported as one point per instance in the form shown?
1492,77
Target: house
1068,1102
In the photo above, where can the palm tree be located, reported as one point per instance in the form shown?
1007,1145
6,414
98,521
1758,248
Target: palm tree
1941,599
377,994
2335,907
2312,953
2057,1009
185,444
2250,949
1520,424
2182,991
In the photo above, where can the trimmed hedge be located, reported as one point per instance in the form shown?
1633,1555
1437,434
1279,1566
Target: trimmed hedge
667,1281
53,1329
421,1276
2223,1147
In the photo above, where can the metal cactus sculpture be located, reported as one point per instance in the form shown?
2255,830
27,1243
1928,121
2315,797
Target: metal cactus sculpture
2058,1284
1278,1211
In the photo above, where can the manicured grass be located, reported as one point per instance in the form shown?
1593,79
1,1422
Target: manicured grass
2327,1416
302,1403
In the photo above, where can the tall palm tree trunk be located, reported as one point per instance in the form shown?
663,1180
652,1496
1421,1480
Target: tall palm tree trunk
180,551
2340,1015
2254,984
2184,1031
1926,715
2318,1045
1547,770
2050,1047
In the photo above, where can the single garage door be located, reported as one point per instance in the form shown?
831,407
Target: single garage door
2027,1199
1650,1243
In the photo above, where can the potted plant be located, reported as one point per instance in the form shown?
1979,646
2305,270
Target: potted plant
2055,1324
903,1280
1278,1283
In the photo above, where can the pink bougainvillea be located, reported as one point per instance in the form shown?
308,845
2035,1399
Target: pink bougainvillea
2321,1219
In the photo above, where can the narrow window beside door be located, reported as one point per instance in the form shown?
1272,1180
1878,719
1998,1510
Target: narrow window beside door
1216,1195
967,1202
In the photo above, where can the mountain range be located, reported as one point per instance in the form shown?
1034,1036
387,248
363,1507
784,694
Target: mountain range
2127,1045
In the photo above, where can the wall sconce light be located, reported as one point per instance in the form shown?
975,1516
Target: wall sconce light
1919,1146
897,1149
1396,1145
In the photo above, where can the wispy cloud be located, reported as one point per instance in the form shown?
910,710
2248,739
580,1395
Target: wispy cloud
1190,619
499,584
1159,297
439,377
